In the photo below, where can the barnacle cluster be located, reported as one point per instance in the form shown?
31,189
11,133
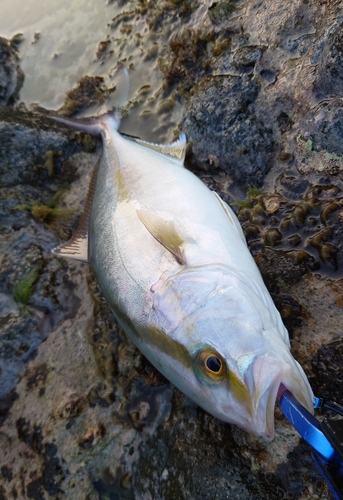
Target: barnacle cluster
306,232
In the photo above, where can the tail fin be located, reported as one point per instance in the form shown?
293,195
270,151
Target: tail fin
94,125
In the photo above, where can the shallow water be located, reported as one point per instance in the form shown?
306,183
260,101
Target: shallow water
61,42
68,31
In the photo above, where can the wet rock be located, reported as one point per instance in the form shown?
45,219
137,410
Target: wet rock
292,187
328,369
31,305
33,147
297,232
319,149
61,331
6,402
89,90
176,463
246,58
276,265
329,79
11,75
221,123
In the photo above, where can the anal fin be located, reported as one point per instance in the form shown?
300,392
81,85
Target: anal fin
77,247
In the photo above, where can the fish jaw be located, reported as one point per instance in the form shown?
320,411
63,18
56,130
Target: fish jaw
248,397
265,378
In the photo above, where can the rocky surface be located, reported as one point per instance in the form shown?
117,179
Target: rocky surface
11,75
83,415
225,105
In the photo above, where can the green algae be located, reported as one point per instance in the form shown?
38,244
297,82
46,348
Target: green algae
48,212
241,204
23,288
253,192
313,159
309,146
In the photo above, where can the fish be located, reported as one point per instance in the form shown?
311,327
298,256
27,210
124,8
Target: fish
172,261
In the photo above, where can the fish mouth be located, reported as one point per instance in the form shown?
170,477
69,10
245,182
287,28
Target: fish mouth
263,387
266,378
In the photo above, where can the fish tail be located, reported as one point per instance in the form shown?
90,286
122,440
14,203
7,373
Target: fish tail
92,126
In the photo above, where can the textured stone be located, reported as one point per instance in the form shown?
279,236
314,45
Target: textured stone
222,125
11,75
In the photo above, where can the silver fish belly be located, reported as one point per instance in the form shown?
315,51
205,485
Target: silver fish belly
172,261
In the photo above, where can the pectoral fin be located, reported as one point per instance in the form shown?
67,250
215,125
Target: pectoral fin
164,232
77,247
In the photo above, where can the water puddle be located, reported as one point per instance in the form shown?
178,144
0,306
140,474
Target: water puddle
60,43
64,41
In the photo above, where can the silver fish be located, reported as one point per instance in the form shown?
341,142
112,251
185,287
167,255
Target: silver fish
172,261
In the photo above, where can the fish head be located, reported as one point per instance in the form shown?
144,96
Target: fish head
237,358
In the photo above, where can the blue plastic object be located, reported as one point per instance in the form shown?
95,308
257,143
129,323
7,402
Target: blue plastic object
317,403
326,454
307,426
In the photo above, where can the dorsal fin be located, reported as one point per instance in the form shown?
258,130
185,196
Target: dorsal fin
77,247
176,151
164,232
231,216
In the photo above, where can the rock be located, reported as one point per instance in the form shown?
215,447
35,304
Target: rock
28,310
11,75
221,123
33,147
329,79
328,374
54,327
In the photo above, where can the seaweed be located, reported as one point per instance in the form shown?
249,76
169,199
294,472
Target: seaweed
23,287
48,212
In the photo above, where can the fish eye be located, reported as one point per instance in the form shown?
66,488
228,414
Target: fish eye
209,366
214,364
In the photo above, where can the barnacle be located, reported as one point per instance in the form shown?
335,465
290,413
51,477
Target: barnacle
306,231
